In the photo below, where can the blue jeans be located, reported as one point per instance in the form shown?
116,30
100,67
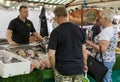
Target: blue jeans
108,76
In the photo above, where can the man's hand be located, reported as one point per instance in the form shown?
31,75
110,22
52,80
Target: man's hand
88,43
13,43
37,35
89,53
45,64
85,68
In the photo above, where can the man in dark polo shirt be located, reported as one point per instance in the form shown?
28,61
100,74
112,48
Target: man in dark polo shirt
67,50
19,29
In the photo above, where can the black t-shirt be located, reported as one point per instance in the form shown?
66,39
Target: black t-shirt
67,40
21,30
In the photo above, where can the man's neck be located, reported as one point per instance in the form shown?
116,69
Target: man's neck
62,20
22,18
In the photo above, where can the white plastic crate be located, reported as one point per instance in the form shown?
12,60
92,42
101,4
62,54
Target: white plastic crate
14,69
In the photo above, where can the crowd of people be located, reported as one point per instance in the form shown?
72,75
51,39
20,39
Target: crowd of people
67,44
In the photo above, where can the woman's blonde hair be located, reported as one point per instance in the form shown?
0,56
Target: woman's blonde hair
108,14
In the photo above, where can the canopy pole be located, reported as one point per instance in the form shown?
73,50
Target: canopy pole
82,16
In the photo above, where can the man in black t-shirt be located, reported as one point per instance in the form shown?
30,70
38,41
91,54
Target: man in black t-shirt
67,50
19,28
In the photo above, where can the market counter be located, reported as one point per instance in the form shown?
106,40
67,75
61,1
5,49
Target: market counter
47,75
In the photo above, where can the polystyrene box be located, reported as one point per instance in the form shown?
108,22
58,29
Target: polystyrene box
14,69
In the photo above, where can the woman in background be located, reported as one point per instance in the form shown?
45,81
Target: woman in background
107,39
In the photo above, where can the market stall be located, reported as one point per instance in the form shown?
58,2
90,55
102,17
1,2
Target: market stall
35,53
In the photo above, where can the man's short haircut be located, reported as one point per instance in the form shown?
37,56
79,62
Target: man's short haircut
22,7
60,11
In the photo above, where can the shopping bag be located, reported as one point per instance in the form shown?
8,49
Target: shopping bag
96,69
85,79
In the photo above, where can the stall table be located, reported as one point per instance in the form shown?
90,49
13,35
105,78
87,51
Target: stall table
48,76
